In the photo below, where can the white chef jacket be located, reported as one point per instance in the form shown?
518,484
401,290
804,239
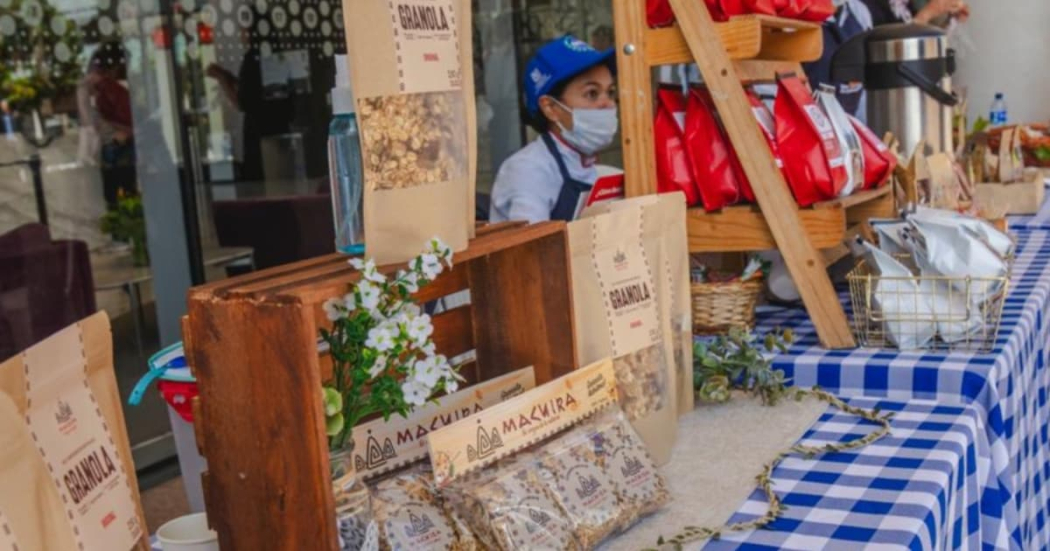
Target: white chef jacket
528,183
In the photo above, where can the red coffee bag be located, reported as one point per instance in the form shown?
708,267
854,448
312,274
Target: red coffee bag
818,10
709,153
791,9
767,125
658,13
673,170
879,162
732,8
761,7
813,160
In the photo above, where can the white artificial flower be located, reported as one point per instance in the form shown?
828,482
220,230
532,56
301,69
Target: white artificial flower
357,263
426,372
430,265
429,349
380,339
441,249
451,385
415,393
411,309
371,274
410,280
369,294
378,367
349,302
419,329
333,309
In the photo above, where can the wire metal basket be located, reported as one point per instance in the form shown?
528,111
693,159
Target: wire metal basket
925,312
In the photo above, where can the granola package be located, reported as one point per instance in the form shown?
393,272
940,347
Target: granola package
411,515
665,240
412,78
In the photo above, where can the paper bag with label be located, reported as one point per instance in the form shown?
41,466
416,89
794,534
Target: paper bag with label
666,241
617,313
65,468
412,76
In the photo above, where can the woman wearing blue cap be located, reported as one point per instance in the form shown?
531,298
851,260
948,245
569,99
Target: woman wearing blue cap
570,95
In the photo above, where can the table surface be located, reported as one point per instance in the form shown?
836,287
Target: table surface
1008,387
927,485
116,270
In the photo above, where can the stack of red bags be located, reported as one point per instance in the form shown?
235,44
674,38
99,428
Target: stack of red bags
694,155
659,14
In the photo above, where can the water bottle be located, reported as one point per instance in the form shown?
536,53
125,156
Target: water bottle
997,116
345,167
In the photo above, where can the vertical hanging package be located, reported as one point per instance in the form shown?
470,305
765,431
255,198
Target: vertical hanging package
414,86
617,314
666,244
66,470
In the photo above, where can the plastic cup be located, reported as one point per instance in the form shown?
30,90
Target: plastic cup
188,533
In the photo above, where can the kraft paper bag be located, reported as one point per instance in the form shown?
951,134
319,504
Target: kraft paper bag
66,473
412,76
617,314
665,239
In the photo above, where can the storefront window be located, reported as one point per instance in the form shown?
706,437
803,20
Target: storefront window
183,141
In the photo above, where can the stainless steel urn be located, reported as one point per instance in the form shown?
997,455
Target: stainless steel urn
906,69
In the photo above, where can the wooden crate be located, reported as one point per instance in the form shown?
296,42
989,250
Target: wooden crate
252,344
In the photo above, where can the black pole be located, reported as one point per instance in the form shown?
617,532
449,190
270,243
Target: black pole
38,187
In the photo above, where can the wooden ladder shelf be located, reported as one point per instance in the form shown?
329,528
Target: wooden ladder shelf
743,49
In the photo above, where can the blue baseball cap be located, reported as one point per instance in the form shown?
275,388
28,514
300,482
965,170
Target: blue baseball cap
557,61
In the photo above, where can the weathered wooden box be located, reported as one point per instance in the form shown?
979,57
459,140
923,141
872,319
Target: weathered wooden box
252,343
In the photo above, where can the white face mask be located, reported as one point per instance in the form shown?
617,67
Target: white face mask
592,129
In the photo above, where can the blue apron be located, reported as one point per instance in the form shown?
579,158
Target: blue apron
569,196
837,30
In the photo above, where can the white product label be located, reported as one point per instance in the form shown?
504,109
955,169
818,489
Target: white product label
427,40
820,121
72,437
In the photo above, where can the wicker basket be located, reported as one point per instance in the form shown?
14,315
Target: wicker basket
719,307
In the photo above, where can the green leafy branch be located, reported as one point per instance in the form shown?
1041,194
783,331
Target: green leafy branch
765,478
734,361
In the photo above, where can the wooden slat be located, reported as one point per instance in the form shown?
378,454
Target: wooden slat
883,206
221,286
858,198
264,426
757,70
522,303
744,37
744,228
454,331
801,256
635,86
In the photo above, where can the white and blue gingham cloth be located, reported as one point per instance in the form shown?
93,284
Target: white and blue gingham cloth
1008,387
929,484
1037,221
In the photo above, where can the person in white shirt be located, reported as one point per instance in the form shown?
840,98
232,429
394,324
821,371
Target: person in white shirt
570,97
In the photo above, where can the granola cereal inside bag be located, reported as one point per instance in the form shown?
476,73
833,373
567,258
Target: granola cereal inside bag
412,78
411,516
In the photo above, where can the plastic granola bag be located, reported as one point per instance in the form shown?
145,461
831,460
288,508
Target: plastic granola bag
412,78
411,516
617,314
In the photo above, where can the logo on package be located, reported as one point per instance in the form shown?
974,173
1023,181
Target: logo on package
418,525
539,520
620,259
375,455
631,466
587,487
487,444
819,120
63,413
413,17
577,45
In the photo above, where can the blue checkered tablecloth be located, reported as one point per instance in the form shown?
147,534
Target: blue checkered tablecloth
1038,221
929,484
1008,387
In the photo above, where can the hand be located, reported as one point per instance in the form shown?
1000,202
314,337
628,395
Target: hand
938,8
